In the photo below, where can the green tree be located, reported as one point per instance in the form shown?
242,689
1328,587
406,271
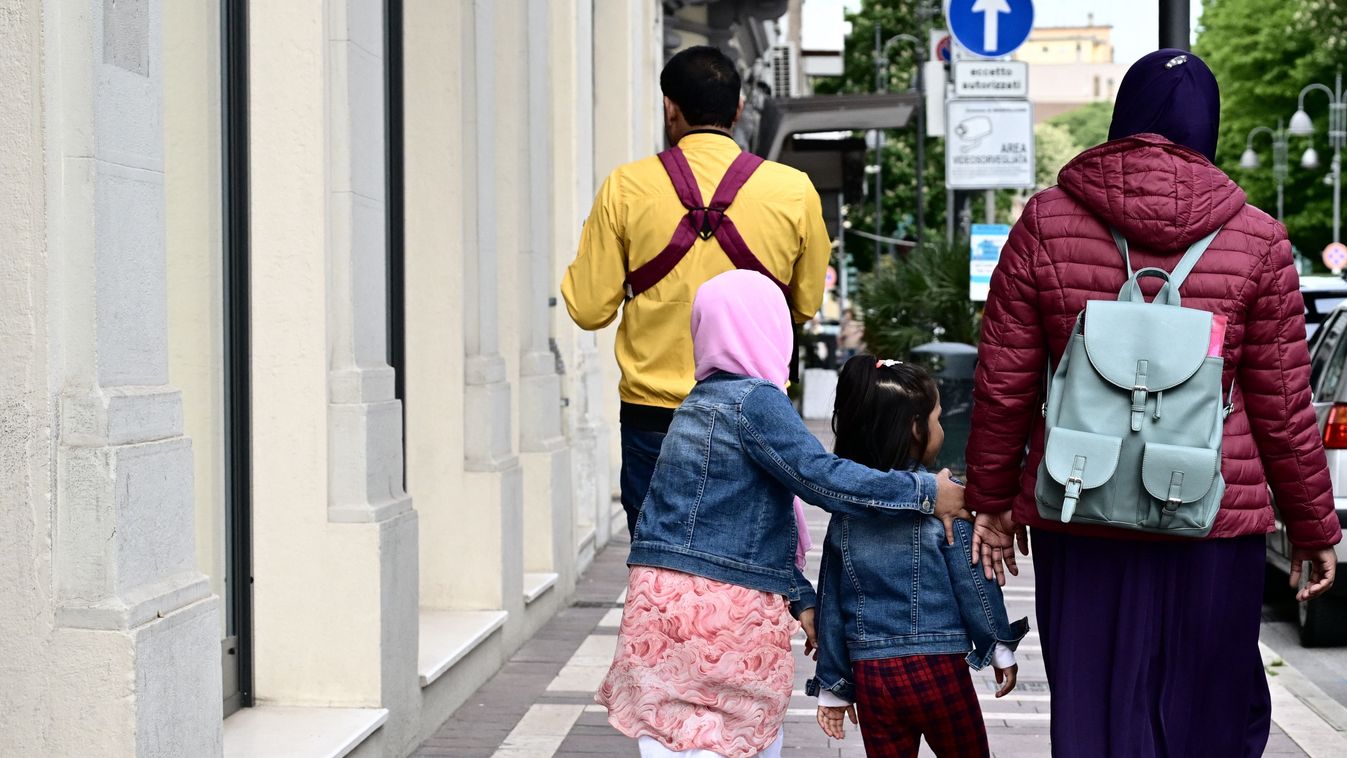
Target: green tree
1263,52
898,162
1053,148
1088,124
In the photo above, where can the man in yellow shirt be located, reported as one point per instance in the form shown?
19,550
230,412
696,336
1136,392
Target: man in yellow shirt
649,243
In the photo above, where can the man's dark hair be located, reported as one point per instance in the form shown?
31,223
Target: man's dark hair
704,84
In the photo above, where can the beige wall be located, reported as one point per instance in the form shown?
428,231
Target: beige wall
1068,44
194,209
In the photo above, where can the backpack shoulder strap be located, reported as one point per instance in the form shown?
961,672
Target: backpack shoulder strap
735,178
1173,279
685,234
680,173
1190,258
702,221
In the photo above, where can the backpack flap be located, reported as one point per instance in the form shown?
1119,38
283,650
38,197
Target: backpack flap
1177,475
1145,347
1080,461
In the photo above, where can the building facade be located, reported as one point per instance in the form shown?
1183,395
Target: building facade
1070,66
296,446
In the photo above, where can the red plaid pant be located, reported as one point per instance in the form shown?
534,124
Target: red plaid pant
901,700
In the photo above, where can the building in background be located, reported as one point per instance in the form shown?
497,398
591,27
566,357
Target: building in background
1070,66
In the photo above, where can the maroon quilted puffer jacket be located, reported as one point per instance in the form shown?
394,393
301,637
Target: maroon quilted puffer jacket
1162,197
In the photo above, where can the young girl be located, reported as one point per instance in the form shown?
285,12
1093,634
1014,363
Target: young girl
703,664
899,603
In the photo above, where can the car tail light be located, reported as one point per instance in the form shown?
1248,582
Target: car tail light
1335,432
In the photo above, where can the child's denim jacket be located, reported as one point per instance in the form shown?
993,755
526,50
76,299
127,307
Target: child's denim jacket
720,504
890,588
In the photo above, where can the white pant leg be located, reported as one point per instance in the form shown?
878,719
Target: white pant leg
774,750
651,748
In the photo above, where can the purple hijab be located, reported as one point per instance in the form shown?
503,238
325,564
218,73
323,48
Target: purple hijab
1171,93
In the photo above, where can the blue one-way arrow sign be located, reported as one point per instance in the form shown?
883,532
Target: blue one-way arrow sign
991,28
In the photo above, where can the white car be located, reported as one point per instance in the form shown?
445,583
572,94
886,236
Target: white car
1322,294
1323,621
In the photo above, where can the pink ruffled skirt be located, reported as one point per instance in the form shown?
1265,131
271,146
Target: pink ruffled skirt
700,664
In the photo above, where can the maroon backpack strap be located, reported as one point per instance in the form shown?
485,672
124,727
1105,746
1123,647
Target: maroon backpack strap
726,233
685,234
701,220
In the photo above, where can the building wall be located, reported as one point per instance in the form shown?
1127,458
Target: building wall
1068,44
112,420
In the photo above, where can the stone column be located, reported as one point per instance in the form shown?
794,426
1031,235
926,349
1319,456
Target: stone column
492,507
335,537
544,453
134,647
365,456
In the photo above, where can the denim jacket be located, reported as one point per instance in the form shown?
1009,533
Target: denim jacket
720,500
893,587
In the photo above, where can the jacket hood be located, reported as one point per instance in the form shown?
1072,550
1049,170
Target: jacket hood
1160,195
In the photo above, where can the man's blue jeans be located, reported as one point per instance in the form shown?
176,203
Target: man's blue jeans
640,449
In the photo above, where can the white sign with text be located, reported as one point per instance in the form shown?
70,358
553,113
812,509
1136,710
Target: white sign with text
989,144
974,78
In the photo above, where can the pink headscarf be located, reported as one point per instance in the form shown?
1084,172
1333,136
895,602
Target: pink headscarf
741,325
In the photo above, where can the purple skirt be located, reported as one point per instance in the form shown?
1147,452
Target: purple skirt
1151,648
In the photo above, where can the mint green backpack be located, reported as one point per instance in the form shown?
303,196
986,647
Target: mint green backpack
1135,412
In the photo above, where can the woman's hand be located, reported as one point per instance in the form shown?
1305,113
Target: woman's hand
831,720
1323,568
810,636
994,538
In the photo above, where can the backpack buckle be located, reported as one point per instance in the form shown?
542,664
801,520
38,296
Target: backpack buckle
1138,406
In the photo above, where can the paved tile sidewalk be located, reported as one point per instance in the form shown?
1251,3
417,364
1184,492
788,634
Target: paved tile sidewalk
541,704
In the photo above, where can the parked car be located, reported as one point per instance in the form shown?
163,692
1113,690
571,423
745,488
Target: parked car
1323,621
1322,294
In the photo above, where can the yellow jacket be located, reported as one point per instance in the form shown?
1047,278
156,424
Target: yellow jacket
777,212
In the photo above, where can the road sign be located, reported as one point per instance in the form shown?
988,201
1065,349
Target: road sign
978,78
1335,257
940,46
986,241
989,144
991,28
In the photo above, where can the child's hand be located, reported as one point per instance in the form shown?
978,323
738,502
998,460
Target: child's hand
810,637
949,503
831,721
1006,678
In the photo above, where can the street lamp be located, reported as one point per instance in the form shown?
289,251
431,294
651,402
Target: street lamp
1301,126
881,85
1250,159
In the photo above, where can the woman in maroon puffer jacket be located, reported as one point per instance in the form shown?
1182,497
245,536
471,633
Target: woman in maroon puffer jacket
1151,645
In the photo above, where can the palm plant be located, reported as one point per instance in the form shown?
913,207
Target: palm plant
916,298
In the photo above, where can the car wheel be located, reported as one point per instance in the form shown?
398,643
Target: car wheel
1323,621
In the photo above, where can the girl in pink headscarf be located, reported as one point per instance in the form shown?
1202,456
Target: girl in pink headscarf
703,665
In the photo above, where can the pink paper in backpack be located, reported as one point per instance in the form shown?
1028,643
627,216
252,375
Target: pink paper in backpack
1217,344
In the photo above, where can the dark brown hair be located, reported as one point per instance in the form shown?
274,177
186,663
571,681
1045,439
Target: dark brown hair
879,417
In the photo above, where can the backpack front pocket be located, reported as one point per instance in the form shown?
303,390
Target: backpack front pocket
1175,479
1077,462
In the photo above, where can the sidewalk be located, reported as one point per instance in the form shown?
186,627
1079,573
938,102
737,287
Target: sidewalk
540,705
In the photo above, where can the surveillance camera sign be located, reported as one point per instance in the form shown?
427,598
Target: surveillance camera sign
989,144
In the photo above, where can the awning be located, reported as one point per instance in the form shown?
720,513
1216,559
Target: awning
783,117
